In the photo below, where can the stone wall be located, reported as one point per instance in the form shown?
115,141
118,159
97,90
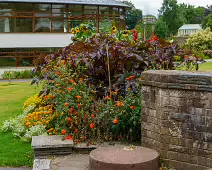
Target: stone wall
177,117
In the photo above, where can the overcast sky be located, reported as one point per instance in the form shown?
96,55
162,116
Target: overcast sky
152,6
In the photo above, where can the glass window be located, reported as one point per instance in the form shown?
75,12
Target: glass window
43,8
24,7
6,9
105,10
42,24
122,11
74,23
115,11
91,9
24,25
7,24
58,6
75,10
59,25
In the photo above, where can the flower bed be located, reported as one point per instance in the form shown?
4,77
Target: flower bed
91,90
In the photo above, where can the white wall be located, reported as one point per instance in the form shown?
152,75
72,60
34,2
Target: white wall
29,40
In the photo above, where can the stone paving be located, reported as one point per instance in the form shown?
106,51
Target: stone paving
71,162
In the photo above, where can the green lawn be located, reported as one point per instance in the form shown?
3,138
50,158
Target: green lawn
206,67
14,152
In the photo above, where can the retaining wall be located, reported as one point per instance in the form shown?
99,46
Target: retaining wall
177,117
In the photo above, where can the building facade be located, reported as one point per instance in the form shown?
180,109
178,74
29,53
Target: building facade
188,29
29,28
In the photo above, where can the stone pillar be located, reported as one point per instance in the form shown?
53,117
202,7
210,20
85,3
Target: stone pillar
177,117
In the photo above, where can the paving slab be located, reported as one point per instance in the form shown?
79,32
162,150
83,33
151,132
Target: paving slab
71,162
42,164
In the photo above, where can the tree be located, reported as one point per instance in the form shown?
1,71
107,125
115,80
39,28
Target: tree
172,15
192,14
133,15
207,22
161,28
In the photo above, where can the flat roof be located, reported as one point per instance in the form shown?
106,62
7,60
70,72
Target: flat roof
77,2
191,27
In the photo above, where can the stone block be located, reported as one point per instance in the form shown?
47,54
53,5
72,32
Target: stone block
50,142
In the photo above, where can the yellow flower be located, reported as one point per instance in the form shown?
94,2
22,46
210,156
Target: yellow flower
77,30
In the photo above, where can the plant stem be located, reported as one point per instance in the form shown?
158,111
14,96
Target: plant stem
108,65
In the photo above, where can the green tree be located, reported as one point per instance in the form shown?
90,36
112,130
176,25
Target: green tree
207,22
172,15
161,28
133,15
192,14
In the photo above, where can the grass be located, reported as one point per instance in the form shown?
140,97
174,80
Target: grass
13,152
206,67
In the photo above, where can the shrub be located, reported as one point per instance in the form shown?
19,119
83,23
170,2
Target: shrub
201,41
14,74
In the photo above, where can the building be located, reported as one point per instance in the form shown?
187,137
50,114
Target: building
30,28
188,29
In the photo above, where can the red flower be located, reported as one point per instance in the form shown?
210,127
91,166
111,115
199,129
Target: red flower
128,79
66,104
107,97
92,115
69,119
63,132
69,138
85,117
132,107
92,126
115,121
132,77
78,97
46,97
78,105
72,110
58,73
69,89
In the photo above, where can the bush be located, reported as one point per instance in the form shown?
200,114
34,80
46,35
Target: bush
15,74
201,41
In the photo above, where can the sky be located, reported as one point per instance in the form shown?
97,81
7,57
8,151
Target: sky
152,6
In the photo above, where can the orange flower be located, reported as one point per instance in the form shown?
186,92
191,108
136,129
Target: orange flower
53,96
63,132
119,104
58,73
132,77
92,115
46,97
71,80
78,105
69,138
128,79
69,89
75,113
78,97
63,61
52,81
72,110
132,107
116,92
66,104
115,121
107,97
92,126
69,119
